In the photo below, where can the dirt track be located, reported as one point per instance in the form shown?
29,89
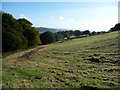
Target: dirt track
27,55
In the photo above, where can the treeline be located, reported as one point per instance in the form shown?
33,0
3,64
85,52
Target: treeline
49,37
78,34
17,33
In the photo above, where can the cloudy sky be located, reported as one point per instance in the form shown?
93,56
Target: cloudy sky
93,16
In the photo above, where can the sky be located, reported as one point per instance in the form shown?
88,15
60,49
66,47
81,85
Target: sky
93,16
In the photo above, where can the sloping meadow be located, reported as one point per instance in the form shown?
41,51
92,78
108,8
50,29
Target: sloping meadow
90,62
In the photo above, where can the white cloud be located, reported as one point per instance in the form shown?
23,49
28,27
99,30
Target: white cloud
72,20
61,18
23,16
98,25
51,17
101,25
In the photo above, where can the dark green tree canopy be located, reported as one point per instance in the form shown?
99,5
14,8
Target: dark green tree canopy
12,38
31,34
86,32
24,21
93,33
115,28
77,33
47,37
17,34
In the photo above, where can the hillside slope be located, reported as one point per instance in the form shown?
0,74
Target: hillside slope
90,62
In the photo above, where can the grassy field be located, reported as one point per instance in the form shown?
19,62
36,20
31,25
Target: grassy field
90,62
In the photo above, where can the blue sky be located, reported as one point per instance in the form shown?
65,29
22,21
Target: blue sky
93,16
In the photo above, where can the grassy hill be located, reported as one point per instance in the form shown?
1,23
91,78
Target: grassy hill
90,62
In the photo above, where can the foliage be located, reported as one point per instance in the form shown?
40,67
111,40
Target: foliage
93,33
115,28
58,37
86,32
47,37
24,21
31,34
77,33
17,34
67,34
12,38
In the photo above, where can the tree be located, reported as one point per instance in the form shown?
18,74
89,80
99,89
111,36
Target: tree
77,33
86,32
98,33
115,28
17,34
58,37
25,22
67,34
93,33
12,38
31,34
47,37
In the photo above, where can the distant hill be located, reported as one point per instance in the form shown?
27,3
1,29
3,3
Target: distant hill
43,29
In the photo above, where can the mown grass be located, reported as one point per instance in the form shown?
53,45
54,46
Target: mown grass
90,62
